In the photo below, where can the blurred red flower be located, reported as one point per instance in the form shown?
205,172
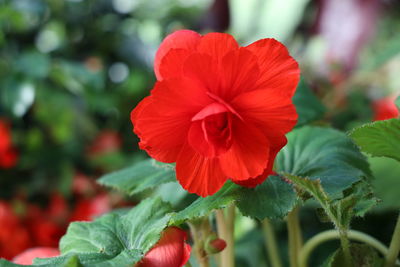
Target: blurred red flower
27,257
385,108
218,110
8,154
171,250
106,142
14,238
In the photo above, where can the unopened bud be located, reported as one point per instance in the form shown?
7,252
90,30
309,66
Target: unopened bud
214,245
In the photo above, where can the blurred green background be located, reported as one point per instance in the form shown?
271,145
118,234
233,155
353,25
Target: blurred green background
72,70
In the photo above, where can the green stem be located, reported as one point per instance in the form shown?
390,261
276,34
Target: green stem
271,244
196,231
394,247
322,237
294,236
225,225
344,241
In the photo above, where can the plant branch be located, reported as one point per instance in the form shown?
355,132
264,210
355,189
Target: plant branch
294,236
322,237
197,233
271,244
225,225
394,247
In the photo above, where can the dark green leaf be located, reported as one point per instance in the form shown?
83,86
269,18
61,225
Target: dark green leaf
308,106
325,154
272,199
63,261
118,239
379,139
143,175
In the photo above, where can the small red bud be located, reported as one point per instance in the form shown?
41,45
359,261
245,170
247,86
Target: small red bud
215,245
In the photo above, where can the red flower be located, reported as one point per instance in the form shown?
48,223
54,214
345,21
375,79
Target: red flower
385,108
107,141
14,238
88,209
171,250
218,110
8,154
27,257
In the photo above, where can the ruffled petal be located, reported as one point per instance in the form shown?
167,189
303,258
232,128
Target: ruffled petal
217,45
248,154
278,69
162,136
172,63
240,73
272,112
171,250
181,96
198,174
184,39
276,145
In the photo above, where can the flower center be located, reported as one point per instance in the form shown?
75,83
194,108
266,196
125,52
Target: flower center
210,132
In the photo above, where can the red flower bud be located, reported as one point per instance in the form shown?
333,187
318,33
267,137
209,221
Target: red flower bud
171,250
215,245
385,109
26,257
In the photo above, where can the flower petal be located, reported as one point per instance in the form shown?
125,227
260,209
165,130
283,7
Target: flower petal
172,63
184,39
276,145
268,109
279,70
198,174
217,45
160,135
171,250
240,73
248,154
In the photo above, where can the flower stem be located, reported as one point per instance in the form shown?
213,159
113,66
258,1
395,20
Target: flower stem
394,247
197,235
344,241
322,237
225,225
271,244
294,236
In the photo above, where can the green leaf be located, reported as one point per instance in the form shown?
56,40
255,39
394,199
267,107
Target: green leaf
379,139
62,261
362,255
204,206
272,199
325,154
308,106
33,64
398,102
117,239
143,175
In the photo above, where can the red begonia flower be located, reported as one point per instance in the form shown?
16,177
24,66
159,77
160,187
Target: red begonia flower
171,250
385,108
8,154
27,257
218,110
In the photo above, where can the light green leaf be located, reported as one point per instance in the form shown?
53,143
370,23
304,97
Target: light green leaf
325,154
143,175
204,206
379,139
398,102
308,106
63,261
117,239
